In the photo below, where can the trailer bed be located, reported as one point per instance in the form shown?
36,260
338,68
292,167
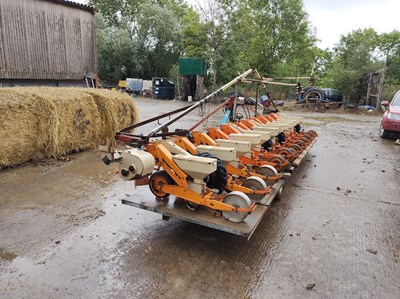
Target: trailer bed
176,208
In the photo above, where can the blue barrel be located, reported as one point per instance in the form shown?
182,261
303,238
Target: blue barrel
162,89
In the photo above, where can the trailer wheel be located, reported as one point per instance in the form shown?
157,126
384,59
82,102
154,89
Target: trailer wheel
219,178
157,180
279,194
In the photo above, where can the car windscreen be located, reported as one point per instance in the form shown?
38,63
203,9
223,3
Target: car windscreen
396,100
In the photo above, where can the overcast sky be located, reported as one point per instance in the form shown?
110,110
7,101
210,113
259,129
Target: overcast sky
333,18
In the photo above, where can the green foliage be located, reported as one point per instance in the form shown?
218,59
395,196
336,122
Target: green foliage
145,38
389,44
114,47
357,55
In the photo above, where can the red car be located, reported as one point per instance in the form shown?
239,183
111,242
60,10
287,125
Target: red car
390,124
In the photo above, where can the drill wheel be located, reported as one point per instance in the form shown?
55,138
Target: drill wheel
278,160
268,171
255,183
157,180
236,199
288,153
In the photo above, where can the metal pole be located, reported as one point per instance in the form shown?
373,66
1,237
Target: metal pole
233,113
208,116
204,100
257,97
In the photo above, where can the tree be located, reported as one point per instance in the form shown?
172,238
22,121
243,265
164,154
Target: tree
117,12
157,33
138,38
389,45
354,58
114,48
281,32
193,35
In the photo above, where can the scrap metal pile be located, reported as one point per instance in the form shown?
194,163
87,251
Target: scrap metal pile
234,170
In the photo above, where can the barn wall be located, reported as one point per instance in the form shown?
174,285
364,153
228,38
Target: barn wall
42,40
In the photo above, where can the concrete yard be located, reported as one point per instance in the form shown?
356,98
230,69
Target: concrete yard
334,234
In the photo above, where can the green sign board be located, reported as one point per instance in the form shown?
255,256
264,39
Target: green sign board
192,66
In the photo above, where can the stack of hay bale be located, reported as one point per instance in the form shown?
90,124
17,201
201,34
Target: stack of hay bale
43,122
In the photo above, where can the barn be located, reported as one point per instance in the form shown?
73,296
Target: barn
47,42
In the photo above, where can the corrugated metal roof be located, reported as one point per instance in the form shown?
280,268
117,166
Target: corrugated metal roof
74,4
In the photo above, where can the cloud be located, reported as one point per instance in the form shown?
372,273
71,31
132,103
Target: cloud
333,20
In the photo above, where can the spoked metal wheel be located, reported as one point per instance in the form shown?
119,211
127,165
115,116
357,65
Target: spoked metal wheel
236,199
255,183
267,171
279,194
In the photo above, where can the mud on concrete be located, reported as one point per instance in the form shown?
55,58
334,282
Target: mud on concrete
334,233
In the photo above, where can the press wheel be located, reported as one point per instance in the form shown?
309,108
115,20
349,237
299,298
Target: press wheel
305,138
255,183
157,180
301,143
236,199
278,160
313,133
288,153
267,171
297,148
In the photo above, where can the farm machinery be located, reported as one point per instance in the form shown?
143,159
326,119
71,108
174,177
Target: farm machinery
223,177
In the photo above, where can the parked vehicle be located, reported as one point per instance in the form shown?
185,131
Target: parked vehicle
332,95
325,95
390,124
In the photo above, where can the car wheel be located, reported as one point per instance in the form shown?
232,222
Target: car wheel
383,133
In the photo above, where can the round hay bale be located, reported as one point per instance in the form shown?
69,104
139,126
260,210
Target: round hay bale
45,122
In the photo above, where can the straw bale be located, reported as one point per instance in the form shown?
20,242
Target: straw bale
43,122
17,129
117,110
